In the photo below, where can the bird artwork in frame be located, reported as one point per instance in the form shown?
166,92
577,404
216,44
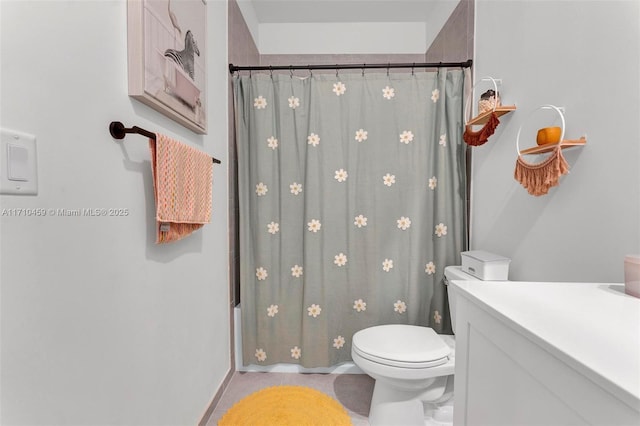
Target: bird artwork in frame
167,58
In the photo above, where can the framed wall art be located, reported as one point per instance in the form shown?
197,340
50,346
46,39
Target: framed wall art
167,58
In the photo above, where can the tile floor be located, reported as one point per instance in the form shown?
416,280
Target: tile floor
353,391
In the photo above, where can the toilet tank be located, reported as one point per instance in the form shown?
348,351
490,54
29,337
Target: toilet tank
455,273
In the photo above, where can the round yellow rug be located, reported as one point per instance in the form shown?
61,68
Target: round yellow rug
286,406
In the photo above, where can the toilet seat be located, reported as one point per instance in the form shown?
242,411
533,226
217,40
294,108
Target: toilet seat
400,345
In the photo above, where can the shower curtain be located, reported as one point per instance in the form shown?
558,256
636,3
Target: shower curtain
352,196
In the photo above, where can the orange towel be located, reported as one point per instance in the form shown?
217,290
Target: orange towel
182,184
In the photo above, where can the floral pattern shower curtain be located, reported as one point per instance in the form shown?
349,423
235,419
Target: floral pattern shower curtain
352,202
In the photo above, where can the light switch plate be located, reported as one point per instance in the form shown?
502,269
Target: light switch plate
18,163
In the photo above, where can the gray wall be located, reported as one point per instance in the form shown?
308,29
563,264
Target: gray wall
242,51
454,42
99,324
584,57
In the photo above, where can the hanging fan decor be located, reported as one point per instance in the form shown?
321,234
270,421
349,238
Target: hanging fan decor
538,178
488,112
481,136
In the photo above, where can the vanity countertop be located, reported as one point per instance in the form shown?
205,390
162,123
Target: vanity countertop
593,327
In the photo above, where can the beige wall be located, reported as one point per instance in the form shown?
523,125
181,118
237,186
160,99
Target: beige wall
242,51
454,42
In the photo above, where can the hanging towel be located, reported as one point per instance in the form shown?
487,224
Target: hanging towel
182,184
538,178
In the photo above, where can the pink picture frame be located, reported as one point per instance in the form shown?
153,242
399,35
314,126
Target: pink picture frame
166,46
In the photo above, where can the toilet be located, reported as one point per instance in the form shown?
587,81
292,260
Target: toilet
413,369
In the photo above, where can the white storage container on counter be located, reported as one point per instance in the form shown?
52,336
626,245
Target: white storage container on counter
485,266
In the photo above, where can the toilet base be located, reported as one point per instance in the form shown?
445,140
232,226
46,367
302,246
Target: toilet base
440,414
391,406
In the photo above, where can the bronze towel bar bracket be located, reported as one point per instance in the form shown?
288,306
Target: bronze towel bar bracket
118,131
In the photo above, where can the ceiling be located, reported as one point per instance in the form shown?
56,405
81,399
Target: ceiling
315,11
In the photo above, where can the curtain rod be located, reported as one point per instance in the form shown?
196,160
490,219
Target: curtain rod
234,68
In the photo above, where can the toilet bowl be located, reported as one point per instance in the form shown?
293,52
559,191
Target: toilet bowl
412,366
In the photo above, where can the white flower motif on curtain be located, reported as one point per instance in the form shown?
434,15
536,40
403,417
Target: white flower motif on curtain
400,307
340,259
404,223
261,189
433,182
295,188
260,102
296,271
430,268
337,195
261,355
313,139
388,92
294,102
314,225
341,175
261,274
359,305
339,88
435,95
389,179
272,143
296,353
406,137
314,310
272,310
273,228
387,265
360,221
361,135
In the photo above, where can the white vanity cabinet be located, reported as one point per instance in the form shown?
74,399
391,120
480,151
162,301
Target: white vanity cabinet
547,354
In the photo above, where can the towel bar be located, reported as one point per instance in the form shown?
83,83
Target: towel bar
118,131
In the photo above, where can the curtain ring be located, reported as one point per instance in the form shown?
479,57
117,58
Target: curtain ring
388,66
413,68
249,73
310,70
336,70
271,71
291,71
363,66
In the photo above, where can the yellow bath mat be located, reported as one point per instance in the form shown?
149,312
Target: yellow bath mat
286,406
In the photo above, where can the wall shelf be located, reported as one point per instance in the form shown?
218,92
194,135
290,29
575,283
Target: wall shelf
567,143
484,117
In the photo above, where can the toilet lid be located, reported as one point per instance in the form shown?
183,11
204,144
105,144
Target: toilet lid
401,345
